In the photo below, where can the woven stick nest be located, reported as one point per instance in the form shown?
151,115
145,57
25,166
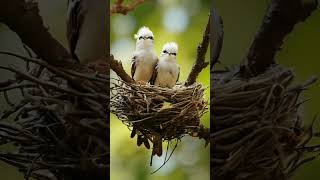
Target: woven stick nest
258,132
158,114
61,126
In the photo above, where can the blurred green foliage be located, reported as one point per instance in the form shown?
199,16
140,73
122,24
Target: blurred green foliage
182,21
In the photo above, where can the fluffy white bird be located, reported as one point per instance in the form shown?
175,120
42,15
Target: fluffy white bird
87,29
167,71
144,57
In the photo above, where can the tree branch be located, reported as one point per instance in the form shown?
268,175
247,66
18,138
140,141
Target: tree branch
23,18
279,21
117,67
119,7
200,61
217,34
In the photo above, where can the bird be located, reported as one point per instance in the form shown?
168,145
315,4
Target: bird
144,57
166,73
87,31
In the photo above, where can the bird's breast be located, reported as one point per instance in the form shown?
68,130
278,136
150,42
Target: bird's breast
144,69
167,75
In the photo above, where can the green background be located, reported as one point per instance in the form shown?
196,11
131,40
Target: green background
181,21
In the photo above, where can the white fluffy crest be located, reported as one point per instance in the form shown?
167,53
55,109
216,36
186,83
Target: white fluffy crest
143,31
171,47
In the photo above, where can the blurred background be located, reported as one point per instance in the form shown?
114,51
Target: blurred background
300,52
54,15
181,21
241,19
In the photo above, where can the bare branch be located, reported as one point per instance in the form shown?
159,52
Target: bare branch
117,67
279,21
119,7
200,61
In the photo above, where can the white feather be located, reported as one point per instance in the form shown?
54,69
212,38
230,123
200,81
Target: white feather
167,68
145,56
171,47
143,31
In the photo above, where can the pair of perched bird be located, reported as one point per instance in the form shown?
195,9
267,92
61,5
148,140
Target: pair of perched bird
87,34
146,67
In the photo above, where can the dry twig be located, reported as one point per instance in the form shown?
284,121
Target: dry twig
119,7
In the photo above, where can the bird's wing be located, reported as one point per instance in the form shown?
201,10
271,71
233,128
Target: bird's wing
154,74
75,20
133,66
178,74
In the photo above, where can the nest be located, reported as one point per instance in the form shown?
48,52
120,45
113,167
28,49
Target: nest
257,129
157,114
60,128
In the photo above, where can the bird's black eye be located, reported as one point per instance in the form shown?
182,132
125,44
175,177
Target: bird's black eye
174,54
140,37
165,51
150,37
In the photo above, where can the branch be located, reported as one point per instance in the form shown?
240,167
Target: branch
119,7
117,67
216,37
24,19
200,61
279,21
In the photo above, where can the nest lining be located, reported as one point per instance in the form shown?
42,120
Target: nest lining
155,111
256,125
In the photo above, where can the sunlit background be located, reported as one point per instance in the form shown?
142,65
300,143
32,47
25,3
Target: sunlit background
181,21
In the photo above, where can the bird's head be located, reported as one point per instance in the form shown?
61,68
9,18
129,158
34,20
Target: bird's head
169,51
145,38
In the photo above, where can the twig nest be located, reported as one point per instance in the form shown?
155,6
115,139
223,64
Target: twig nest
60,128
159,113
258,132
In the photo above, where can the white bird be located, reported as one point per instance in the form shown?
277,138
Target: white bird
144,57
87,29
167,71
